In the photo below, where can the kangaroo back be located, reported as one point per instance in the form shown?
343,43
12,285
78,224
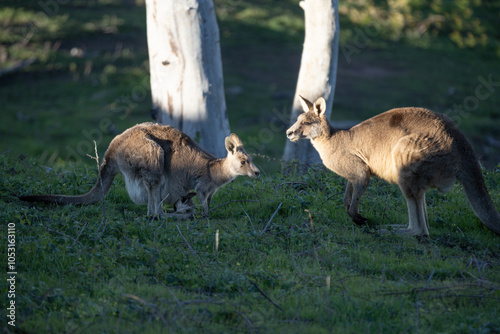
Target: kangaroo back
107,173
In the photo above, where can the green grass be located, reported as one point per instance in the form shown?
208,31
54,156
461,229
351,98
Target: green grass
83,271
89,269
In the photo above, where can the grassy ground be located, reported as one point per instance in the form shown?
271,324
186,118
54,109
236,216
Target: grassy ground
108,269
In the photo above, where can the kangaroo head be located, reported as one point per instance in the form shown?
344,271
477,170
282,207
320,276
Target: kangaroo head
311,123
239,160
185,205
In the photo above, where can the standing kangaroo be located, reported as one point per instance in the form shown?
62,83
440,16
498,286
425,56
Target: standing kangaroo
162,164
412,147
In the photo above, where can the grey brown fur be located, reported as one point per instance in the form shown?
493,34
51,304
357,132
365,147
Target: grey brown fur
160,164
412,147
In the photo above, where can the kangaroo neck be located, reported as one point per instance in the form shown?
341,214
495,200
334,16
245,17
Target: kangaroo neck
330,144
220,171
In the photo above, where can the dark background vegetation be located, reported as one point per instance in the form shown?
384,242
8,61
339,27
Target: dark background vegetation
91,65
107,268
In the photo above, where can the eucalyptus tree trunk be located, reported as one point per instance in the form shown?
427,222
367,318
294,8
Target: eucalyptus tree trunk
187,84
318,67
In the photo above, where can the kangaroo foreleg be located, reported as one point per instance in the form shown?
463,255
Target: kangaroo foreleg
204,200
355,189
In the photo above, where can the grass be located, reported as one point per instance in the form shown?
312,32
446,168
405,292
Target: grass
89,269
109,269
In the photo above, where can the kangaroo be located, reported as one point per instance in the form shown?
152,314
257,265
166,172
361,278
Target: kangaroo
162,164
412,147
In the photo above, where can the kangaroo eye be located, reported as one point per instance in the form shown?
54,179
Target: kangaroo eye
243,162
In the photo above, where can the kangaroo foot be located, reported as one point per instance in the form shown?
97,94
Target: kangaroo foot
398,229
359,219
161,215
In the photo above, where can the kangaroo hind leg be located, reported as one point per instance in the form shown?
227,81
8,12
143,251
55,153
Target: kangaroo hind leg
153,188
418,224
147,161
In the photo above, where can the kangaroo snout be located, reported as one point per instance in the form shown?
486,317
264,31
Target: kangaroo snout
255,174
292,136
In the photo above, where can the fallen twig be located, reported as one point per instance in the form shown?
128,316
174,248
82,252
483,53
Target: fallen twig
249,219
64,235
310,219
265,296
269,222
78,236
429,279
149,304
189,245
256,193
247,321
103,212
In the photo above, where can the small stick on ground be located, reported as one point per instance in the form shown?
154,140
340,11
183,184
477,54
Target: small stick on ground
256,194
249,219
103,213
189,245
153,217
64,235
269,222
216,241
310,219
78,236
265,296
149,304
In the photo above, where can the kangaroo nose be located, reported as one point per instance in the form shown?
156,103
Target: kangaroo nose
257,173
289,132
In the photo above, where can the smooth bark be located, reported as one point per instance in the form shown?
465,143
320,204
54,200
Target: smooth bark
187,84
318,67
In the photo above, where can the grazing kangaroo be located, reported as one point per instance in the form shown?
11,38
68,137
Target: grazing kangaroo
412,147
162,164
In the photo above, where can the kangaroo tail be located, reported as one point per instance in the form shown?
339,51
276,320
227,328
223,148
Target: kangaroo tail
107,173
471,177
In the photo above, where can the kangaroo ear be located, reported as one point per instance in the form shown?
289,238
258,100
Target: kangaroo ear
320,107
306,104
236,139
230,145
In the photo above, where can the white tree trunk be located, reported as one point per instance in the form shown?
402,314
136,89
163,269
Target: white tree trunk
318,67
187,84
